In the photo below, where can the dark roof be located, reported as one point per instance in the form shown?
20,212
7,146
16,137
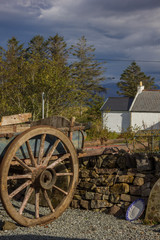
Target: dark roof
117,104
147,101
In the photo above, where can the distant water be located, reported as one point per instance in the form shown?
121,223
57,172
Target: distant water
111,89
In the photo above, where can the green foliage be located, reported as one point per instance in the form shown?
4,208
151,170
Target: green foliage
97,132
12,87
87,75
43,67
131,78
130,133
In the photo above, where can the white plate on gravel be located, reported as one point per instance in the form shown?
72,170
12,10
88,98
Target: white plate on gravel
135,210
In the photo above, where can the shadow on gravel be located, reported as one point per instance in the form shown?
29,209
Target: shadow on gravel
37,237
156,230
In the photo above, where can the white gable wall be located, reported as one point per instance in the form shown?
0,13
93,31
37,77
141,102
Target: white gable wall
116,121
145,120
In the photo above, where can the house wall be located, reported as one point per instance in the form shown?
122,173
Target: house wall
116,121
145,120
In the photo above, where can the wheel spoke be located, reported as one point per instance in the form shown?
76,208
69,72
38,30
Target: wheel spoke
59,189
19,189
41,149
19,177
37,203
27,196
64,174
23,164
49,155
31,154
48,201
59,160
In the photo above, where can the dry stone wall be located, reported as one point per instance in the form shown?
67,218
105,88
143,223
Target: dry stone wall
109,183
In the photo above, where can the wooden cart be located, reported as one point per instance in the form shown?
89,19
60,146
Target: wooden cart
39,167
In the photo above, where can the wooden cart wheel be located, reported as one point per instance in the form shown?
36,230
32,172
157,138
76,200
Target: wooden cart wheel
33,172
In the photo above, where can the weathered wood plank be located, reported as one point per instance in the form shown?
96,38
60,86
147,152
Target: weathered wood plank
15,119
55,121
14,128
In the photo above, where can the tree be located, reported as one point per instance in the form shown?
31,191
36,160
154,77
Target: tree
87,74
48,73
43,67
12,88
131,78
56,49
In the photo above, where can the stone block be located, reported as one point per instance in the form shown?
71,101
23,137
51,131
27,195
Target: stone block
84,173
157,165
94,174
8,226
133,198
114,198
89,195
153,206
119,188
132,171
93,188
138,181
123,205
126,197
130,161
135,190
146,185
149,177
143,163
125,179
100,204
109,180
116,211
85,185
121,162
84,204
108,171
75,204
82,193
145,192
99,161
110,161
105,197
153,181
85,161
145,189
92,162
103,190
100,181
141,175
77,197
97,196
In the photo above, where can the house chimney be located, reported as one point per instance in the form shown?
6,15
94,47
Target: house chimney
140,88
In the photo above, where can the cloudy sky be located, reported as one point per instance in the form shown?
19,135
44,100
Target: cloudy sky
120,30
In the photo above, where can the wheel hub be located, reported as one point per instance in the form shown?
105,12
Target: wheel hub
47,178
36,174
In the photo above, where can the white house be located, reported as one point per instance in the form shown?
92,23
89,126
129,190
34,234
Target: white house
143,111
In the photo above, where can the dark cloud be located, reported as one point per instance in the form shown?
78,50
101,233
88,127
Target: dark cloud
130,5
119,29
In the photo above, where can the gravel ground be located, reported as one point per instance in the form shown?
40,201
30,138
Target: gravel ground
81,224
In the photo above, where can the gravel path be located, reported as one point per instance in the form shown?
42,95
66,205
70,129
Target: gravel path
81,224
